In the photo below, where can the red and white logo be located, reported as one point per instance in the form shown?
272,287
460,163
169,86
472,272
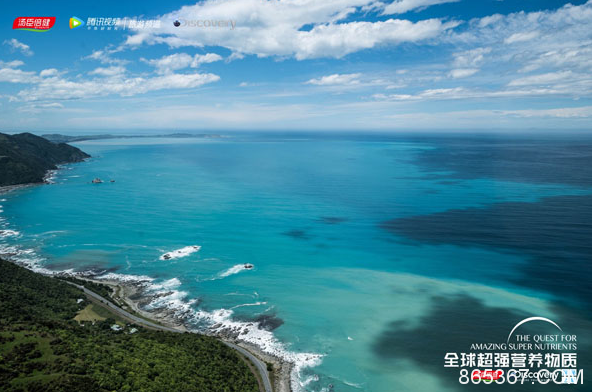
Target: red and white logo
34,23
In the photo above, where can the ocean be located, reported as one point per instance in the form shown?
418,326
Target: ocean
370,256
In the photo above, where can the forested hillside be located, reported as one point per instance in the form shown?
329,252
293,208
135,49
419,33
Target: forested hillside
26,158
42,347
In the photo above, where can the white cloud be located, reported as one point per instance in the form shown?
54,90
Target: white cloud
107,71
491,119
550,50
580,88
51,84
470,58
462,72
546,78
40,107
48,72
466,63
235,56
577,112
167,64
275,28
205,59
11,64
336,79
58,88
17,45
402,6
521,37
338,40
176,61
344,83
569,112
104,56
10,73
572,56
177,81
529,33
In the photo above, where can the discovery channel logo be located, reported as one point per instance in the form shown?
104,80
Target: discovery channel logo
76,23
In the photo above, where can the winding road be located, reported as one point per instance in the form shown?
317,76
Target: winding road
260,365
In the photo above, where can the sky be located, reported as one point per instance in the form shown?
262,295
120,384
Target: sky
390,65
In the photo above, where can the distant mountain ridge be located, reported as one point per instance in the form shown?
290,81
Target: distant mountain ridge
58,138
26,158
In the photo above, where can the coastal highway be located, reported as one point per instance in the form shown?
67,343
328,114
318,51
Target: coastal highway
260,365
116,309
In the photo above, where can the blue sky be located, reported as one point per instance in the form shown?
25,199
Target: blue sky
461,65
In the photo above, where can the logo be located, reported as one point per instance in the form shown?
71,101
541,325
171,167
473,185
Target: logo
549,357
76,22
34,23
526,320
205,23
117,23
487,375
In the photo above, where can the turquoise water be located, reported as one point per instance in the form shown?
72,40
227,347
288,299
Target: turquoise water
307,214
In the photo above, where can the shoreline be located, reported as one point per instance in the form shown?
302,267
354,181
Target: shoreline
47,180
127,295
9,188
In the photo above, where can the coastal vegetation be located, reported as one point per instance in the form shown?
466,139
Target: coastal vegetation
102,289
26,158
44,348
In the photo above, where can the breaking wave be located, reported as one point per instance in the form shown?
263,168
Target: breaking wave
183,252
236,269
9,233
253,304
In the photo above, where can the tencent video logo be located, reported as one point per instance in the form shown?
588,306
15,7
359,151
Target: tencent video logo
34,23
76,22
